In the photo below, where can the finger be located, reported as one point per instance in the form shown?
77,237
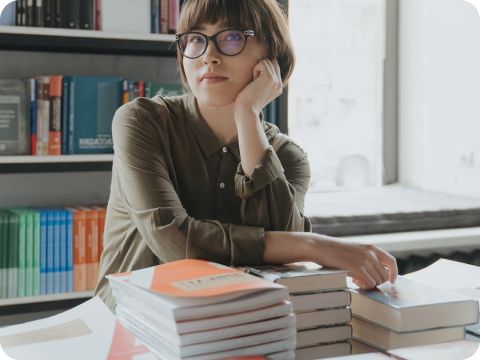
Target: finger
390,263
270,67
379,267
374,273
367,281
277,69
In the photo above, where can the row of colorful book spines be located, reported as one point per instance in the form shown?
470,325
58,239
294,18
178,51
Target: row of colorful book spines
57,91
87,14
22,282
52,243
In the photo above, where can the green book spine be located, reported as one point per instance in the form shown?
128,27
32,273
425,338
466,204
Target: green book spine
36,253
29,253
22,252
13,229
3,260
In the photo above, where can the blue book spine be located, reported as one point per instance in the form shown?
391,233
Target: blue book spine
63,251
69,250
155,23
43,252
71,115
56,252
33,115
65,114
50,251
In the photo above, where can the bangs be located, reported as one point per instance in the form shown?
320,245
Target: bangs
238,14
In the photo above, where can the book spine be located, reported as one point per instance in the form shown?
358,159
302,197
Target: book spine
98,14
91,230
56,251
33,116
141,88
18,13
43,115
22,244
13,245
71,14
59,13
49,13
29,290
79,250
63,251
36,252
50,251
54,139
64,117
71,116
3,259
86,17
173,13
125,92
24,12
155,22
69,235
43,252
30,14
164,16
39,16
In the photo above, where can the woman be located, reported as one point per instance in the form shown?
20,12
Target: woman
202,176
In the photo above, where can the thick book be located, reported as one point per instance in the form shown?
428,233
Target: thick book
461,349
3,256
79,250
43,251
33,115
54,133
71,13
320,300
30,13
91,253
21,238
408,305
14,117
88,331
49,13
309,337
92,104
326,317
128,16
87,15
43,114
386,339
13,253
322,351
39,16
301,277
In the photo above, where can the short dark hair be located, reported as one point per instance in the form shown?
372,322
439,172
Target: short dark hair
266,18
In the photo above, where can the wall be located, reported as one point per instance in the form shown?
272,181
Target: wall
439,96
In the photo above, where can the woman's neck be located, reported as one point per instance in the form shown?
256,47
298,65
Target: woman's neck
221,120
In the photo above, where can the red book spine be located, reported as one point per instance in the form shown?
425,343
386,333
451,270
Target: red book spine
173,13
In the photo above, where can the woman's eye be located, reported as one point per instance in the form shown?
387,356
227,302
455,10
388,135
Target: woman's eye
196,39
234,36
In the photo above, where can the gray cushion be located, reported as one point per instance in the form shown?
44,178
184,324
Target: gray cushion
392,208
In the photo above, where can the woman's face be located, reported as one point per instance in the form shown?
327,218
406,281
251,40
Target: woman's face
235,72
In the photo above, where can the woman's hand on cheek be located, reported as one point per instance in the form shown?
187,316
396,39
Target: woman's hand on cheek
265,86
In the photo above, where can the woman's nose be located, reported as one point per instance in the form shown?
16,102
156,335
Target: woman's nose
211,54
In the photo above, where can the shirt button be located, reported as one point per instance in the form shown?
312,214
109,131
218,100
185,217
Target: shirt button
224,149
222,185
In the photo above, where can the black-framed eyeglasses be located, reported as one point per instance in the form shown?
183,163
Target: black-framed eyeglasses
228,42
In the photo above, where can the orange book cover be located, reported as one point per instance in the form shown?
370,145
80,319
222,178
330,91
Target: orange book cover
92,258
198,278
79,249
54,134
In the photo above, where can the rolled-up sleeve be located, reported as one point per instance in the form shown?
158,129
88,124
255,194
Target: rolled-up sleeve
154,205
274,195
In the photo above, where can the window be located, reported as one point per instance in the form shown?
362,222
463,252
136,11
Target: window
336,91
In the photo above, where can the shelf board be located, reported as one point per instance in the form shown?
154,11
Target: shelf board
26,38
46,298
26,159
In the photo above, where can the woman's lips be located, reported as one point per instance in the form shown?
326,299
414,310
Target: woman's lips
214,80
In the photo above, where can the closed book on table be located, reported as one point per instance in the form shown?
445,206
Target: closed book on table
326,317
302,276
319,301
310,337
322,351
14,117
386,339
408,305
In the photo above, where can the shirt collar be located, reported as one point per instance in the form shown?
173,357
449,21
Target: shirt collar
207,139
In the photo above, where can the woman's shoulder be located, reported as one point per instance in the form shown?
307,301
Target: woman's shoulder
156,110
282,143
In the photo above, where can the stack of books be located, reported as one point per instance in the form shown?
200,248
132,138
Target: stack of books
195,309
409,313
321,304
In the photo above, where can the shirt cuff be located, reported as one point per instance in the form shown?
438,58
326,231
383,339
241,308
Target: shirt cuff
264,174
248,245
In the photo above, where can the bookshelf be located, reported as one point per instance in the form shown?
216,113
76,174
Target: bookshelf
70,179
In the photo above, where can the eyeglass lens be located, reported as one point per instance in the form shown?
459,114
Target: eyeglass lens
230,42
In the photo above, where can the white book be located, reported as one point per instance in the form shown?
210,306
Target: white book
408,305
323,351
386,339
128,16
301,276
323,335
88,331
458,350
312,319
321,300
283,308
177,340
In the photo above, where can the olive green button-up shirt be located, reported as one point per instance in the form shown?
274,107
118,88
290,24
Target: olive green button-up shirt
178,193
